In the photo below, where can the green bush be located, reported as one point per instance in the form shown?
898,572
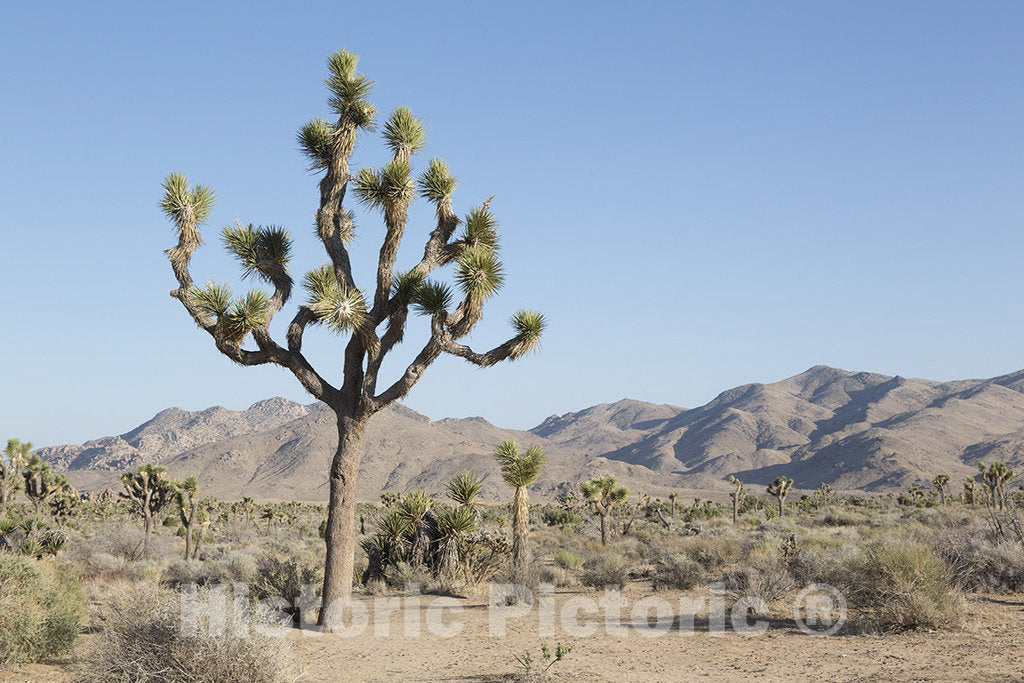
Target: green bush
40,610
568,560
901,586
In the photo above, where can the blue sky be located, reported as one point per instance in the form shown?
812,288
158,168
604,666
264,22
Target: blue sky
698,195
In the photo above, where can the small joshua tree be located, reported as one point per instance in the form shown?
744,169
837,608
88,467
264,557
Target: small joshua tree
374,318
970,491
520,470
940,482
780,489
736,494
41,484
824,496
147,491
12,462
186,494
604,495
672,497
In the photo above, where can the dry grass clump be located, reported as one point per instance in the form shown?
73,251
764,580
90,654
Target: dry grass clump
763,577
980,564
605,571
713,552
40,610
676,572
142,639
568,560
901,586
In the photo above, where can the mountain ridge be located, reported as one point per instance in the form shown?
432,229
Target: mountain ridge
853,430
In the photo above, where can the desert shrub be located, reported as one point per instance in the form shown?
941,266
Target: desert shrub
604,571
676,572
294,579
566,559
841,518
764,577
40,610
816,565
713,552
565,518
142,639
978,564
901,586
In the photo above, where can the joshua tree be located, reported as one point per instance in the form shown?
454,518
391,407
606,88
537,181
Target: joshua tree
780,489
520,470
940,482
996,476
672,501
825,495
147,491
735,495
604,494
41,484
12,462
186,494
464,489
335,300
970,491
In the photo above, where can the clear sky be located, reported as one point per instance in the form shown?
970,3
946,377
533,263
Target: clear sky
698,195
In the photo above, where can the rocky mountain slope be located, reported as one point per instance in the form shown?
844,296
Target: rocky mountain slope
850,429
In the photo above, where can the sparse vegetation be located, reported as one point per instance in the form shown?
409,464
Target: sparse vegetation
40,610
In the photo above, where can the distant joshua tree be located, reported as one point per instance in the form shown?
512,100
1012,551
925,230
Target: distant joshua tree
736,494
12,462
186,494
604,495
41,484
940,482
147,491
780,489
520,470
996,477
335,301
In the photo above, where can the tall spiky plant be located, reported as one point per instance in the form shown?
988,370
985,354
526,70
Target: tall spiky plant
41,484
12,462
147,491
464,489
780,489
414,507
520,470
604,494
996,477
374,318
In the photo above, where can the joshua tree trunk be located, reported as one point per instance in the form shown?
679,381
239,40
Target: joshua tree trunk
147,525
736,507
782,504
340,532
604,528
520,530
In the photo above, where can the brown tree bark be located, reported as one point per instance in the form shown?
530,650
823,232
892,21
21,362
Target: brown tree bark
340,532
520,533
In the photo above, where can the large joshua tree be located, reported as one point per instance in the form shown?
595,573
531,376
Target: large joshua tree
147,491
520,470
334,299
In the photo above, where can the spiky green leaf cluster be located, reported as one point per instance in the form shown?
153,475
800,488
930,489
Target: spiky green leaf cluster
263,251
437,182
432,298
464,489
479,273
316,140
247,314
604,491
180,203
529,327
519,469
403,132
215,299
405,285
349,91
340,308
392,185
481,230
455,522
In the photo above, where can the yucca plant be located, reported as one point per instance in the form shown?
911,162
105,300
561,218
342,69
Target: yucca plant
186,494
12,462
464,489
780,489
996,477
454,526
414,508
940,482
147,491
374,317
604,495
520,470
736,494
